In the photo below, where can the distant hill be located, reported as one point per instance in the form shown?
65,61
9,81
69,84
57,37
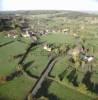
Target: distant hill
75,14
30,12
57,13
92,12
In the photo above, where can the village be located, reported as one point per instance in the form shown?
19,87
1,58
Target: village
49,56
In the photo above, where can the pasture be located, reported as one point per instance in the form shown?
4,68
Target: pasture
35,62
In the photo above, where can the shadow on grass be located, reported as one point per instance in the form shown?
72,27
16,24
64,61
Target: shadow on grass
62,75
18,56
31,75
13,75
72,77
27,65
28,50
19,73
7,43
91,86
40,81
43,91
49,74
4,98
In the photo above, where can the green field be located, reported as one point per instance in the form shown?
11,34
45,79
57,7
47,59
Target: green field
65,93
18,88
54,23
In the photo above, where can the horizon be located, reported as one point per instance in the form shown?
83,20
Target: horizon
49,10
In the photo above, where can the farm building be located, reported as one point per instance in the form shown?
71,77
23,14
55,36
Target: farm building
12,34
47,48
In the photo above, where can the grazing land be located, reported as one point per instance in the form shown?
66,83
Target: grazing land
28,42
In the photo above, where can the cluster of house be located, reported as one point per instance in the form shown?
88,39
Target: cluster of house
26,33
88,58
12,34
65,31
77,51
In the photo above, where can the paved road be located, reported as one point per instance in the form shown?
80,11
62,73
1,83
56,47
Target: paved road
44,74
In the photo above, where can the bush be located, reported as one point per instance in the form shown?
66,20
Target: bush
95,98
82,88
2,79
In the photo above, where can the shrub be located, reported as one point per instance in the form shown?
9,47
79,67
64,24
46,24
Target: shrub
2,79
